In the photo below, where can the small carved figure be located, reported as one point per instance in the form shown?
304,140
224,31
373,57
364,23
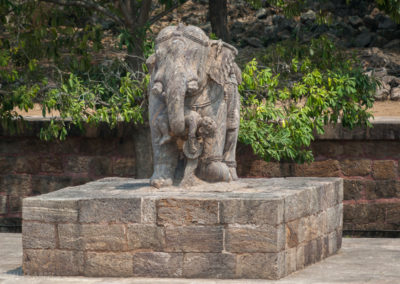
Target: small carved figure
193,98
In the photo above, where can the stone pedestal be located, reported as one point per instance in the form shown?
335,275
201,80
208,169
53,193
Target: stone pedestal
253,228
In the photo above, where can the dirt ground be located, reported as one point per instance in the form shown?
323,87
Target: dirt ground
385,108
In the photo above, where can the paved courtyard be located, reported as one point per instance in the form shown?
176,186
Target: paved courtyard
359,261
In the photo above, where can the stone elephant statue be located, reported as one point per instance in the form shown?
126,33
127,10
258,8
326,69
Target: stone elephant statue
194,107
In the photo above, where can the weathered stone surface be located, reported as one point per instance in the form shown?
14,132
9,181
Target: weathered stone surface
186,212
38,236
298,205
124,167
52,164
194,239
3,204
209,265
110,210
300,260
247,238
260,168
333,242
51,211
382,189
142,236
18,185
108,264
256,212
42,262
214,231
157,264
355,167
385,169
42,184
328,168
92,237
149,211
261,265
353,189
290,260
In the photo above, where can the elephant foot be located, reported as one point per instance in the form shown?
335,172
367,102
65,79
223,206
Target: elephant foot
233,173
160,182
216,172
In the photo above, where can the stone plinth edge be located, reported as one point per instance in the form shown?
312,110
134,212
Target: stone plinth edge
252,228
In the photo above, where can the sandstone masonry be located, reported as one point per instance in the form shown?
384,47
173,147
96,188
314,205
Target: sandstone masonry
253,228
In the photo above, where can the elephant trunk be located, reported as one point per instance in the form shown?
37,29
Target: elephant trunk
175,99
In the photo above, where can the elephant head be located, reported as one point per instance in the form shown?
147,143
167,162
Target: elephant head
178,69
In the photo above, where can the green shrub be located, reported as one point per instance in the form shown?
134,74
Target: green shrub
306,87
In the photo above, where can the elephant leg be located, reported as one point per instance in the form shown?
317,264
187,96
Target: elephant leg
233,121
230,151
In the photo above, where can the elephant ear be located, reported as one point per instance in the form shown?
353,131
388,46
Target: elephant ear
221,65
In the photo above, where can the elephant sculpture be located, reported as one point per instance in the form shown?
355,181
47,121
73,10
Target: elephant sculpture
194,108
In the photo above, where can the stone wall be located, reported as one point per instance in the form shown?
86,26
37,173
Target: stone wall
30,166
367,159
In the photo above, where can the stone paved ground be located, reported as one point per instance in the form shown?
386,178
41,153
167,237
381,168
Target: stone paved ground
359,261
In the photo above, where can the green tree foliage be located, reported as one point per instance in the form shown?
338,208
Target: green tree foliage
82,59
306,87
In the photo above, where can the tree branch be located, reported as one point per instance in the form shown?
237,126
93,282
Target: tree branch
165,12
87,4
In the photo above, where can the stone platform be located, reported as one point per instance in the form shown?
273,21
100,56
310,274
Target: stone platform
253,228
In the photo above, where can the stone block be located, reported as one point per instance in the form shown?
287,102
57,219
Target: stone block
48,183
209,265
38,236
260,168
248,238
17,185
125,167
78,164
194,239
382,189
14,204
149,211
141,236
186,212
110,210
108,264
157,264
27,165
261,265
384,169
327,168
92,237
3,204
354,189
310,252
123,227
333,242
256,212
298,205
290,260
100,166
50,211
45,262
52,164
7,165
355,167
